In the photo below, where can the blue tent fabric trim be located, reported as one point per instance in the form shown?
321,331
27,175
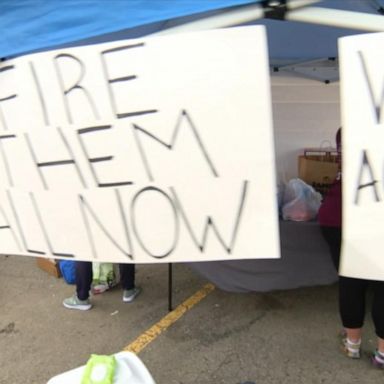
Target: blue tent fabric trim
29,25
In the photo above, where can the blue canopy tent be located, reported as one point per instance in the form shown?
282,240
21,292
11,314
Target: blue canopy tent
297,32
40,24
32,25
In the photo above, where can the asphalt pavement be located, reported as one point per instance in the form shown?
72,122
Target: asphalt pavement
285,337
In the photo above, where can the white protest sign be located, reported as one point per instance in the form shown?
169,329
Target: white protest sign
362,97
157,149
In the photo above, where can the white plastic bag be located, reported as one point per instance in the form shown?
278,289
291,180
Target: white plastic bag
301,202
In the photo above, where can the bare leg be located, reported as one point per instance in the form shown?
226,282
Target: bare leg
380,345
354,335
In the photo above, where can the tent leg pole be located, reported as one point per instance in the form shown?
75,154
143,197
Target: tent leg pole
170,287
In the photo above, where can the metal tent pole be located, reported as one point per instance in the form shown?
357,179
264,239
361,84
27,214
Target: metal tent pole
238,15
294,10
170,287
338,18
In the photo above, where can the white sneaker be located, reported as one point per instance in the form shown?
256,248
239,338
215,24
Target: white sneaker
130,294
74,302
351,350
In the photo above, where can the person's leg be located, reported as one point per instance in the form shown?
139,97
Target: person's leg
354,335
127,279
127,276
352,301
332,236
83,279
380,345
378,320
83,282
352,312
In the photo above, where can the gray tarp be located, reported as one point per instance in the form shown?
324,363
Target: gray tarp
305,261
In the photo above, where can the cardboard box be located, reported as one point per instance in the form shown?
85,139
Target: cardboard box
50,266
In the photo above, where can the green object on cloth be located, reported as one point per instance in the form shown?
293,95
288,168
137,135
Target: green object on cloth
100,369
104,273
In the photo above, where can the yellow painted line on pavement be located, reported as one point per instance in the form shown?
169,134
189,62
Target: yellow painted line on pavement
152,333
